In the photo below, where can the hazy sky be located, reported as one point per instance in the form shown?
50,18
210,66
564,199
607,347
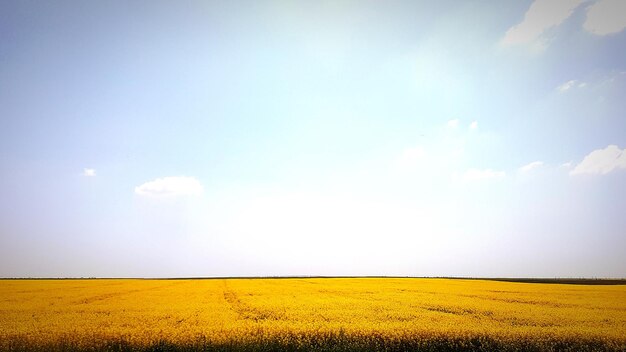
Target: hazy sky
425,138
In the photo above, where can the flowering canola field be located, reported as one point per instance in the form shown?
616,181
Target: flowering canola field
338,314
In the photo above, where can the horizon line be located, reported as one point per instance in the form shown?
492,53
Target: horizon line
555,280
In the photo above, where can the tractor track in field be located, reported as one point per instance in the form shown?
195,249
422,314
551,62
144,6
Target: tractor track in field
106,296
246,311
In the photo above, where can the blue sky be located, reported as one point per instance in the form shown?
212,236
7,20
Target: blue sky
313,138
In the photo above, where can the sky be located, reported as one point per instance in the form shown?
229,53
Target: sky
236,138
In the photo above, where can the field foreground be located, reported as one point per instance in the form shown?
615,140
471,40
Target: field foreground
331,314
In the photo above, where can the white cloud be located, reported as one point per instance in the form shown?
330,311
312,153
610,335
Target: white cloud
474,125
476,174
602,161
606,17
593,83
530,166
541,16
89,172
170,186
567,165
453,123
569,85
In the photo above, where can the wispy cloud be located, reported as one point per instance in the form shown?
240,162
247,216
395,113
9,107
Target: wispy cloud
592,83
453,123
569,85
541,16
89,172
486,174
602,161
606,17
531,166
170,186
474,125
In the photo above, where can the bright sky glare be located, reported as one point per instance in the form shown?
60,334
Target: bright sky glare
206,138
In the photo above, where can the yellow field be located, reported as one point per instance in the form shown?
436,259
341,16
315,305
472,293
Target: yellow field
310,314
